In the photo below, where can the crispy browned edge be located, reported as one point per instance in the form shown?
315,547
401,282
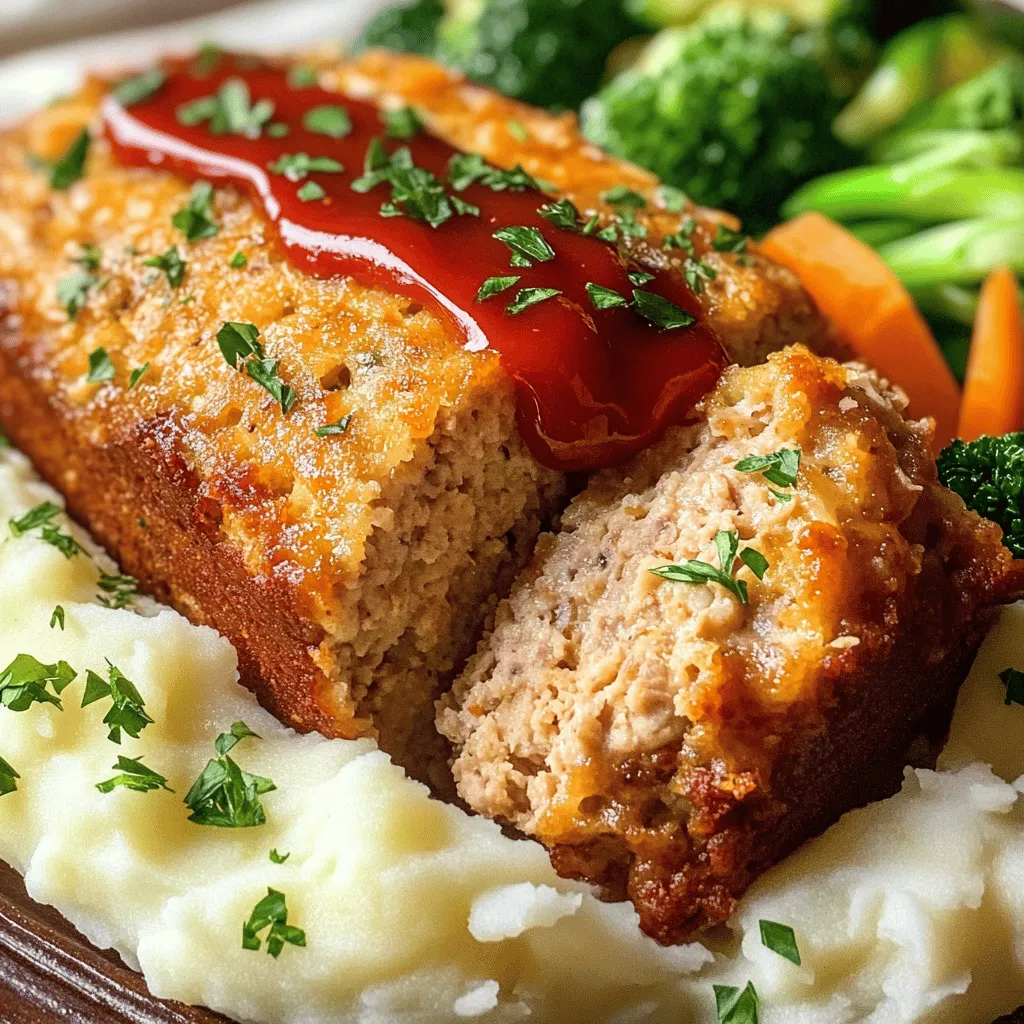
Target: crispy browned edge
855,756
141,500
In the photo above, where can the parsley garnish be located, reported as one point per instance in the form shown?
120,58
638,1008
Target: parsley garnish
526,242
140,87
229,112
517,129
334,429
224,796
401,124
561,213
1013,680
527,297
271,912
206,60
278,130
460,206
127,708
34,518
195,220
494,286
736,1006
243,352
781,939
302,76
670,198
665,315
311,191
623,198
329,119
117,590
727,240
57,618
697,272
640,277
137,374
779,468
101,368
170,263
604,298
90,256
4,441
414,191
73,291
135,776
279,858
63,542
70,167
683,238
296,166
8,777
465,168
727,543
23,683
238,261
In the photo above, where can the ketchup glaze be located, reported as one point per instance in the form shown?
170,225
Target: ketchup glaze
593,385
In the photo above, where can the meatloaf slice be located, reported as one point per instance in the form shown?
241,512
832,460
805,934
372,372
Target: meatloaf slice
352,573
669,741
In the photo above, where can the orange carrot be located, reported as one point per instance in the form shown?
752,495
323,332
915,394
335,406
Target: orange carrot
874,313
994,387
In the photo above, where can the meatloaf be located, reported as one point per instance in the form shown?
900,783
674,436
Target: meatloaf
353,574
669,733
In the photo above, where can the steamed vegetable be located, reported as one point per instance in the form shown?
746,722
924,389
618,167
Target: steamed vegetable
875,315
734,111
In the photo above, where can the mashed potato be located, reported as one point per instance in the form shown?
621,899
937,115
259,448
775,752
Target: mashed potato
911,910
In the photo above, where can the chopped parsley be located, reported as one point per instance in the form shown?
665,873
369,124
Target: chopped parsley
239,261
296,166
137,374
117,591
127,708
34,518
665,315
494,286
697,272
401,124
207,60
63,542
57,618
195,221
101,367
526,242
311,191
224,796
140,87
465,168
329,119
780,468
271,912
70,167
278,129
727,240
8,778
334,429
242,351
623,198
73,291
134,775
23,683
279,858
89,257
415,192
781,939
517,130
696,572
672,199
604,298
230,112
527,297
1013,680
683,238
170,263
561,213
302,76
640,277
736,1006
4,441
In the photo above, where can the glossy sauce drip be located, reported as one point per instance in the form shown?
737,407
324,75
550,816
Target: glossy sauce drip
593,386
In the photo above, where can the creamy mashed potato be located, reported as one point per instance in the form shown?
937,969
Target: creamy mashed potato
911,910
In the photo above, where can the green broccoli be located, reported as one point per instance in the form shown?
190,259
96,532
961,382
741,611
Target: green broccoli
734,111
989,475
409,28
546,52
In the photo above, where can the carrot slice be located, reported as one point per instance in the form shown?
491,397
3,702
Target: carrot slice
875,314
994,388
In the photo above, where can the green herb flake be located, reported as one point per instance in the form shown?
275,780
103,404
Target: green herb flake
34,518
604,298
278,858
271,912
527,297
57,618
461,207
239,261
401,124
302,76
227,741
697,273
195,220
608,234
328,119
640,277
4,441
140,87
63,542
494,286
225,796
727,240
1013,680
466,168
296,166
70,167
23,683
134,775
781,939
334,429
231,111
561,213
415,192
278,130
207,60
127,708
527,242
137,374
736,1006
8,778
116,590
665,315
89,257
517,130
780,468
242,351
696,572
672,199
73,291
311,191
170,263
623,198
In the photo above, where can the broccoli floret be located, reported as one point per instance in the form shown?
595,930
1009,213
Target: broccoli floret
989,475
409,28
547,52
735,111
